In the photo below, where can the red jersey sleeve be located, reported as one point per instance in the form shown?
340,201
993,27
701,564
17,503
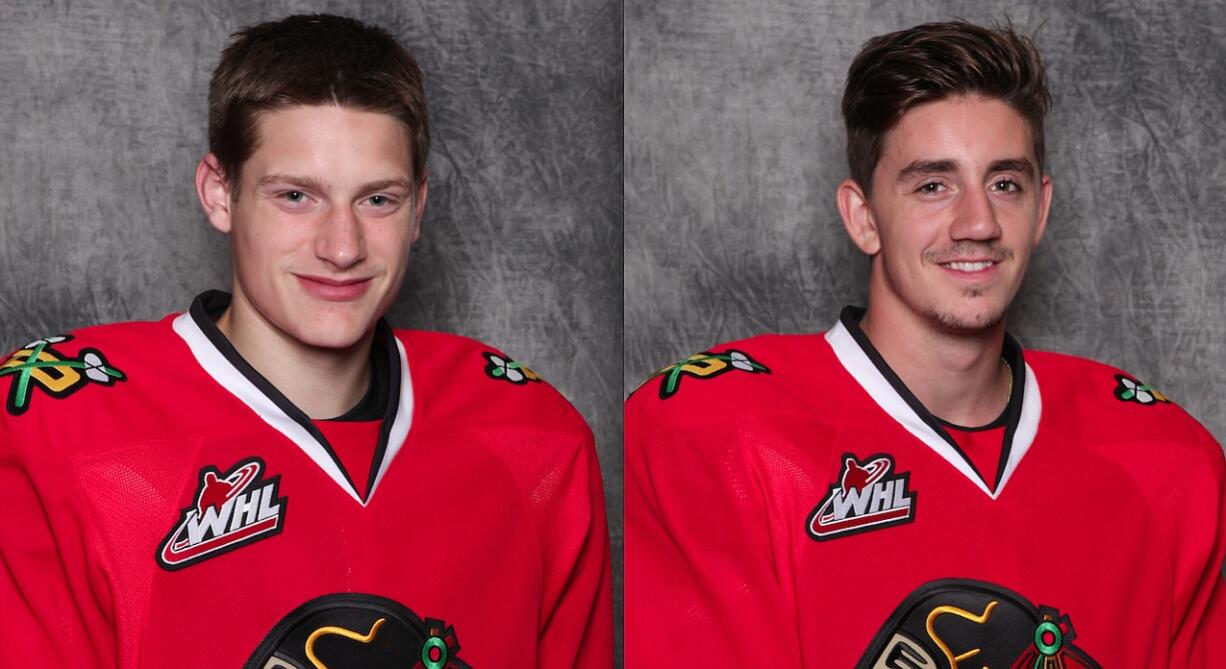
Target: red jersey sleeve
577,623
702,579
55,606
1197,511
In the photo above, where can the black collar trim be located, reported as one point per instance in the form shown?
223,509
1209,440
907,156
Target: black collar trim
211,304
1009,418
373,404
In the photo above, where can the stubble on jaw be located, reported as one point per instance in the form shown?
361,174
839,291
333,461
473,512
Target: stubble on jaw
962,322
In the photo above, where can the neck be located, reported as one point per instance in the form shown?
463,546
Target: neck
958,376
322,382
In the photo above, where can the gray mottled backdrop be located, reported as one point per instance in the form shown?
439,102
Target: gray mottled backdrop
734,145
102,121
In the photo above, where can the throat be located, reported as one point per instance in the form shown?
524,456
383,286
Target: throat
322,386
323,382
978,403
965,380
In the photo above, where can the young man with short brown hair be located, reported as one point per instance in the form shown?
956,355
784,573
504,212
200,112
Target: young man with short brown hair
277,478
912,489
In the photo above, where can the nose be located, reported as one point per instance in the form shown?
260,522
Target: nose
975,218
340,239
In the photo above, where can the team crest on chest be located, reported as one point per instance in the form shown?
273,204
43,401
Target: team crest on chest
228,511
953,623
39,365
865,497
349,630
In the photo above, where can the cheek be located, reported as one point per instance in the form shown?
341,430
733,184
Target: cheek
910,234
278,228
1022,227
261,244
390,241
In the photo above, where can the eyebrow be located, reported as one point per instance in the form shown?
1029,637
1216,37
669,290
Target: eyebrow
926,167
308,183
1022,165
384,184
945,166
318,185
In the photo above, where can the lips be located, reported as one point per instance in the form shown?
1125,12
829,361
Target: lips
334,290
969,260
969,265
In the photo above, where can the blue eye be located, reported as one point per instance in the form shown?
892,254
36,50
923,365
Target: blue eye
378,200
295,196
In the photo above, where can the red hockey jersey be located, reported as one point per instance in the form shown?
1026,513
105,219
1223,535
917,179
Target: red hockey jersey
789,503
165,506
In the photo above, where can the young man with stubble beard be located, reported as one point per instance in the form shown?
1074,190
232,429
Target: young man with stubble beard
276,478
911,489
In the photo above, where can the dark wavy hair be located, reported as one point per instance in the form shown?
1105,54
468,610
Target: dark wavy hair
316,59
895,72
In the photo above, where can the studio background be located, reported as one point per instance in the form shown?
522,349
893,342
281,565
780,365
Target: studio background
103,106
735,143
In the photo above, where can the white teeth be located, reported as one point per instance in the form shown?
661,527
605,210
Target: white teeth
970,266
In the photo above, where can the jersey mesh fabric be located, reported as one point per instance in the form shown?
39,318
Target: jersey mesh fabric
488,514
1111,520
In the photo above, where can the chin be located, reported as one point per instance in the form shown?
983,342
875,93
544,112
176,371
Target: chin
336,325
968,319
329,340
329,333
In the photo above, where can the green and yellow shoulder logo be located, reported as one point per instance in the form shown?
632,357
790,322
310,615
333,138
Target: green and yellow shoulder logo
38,365
1128,389
704,366
505,369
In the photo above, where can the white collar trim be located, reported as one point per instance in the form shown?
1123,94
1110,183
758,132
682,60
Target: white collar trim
862,369
215,364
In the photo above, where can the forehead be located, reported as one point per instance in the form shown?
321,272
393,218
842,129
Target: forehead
331,140
970,130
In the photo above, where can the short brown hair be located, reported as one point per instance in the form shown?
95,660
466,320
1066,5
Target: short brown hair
315,59
895,72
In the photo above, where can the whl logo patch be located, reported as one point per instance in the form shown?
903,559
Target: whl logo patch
866,497
230,510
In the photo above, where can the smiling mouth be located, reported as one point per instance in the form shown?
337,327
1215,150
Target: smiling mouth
969,265
331,282
334,290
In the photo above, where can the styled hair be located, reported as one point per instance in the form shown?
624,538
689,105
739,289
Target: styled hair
895,72
316,59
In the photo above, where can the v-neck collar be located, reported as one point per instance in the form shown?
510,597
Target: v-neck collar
865,364
218,358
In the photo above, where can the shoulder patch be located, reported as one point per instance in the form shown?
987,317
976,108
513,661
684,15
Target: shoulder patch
39,365
1128,389
705,365
500,367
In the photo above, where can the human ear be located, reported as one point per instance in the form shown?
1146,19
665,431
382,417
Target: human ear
1044,207
858,217
214,192
419,205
